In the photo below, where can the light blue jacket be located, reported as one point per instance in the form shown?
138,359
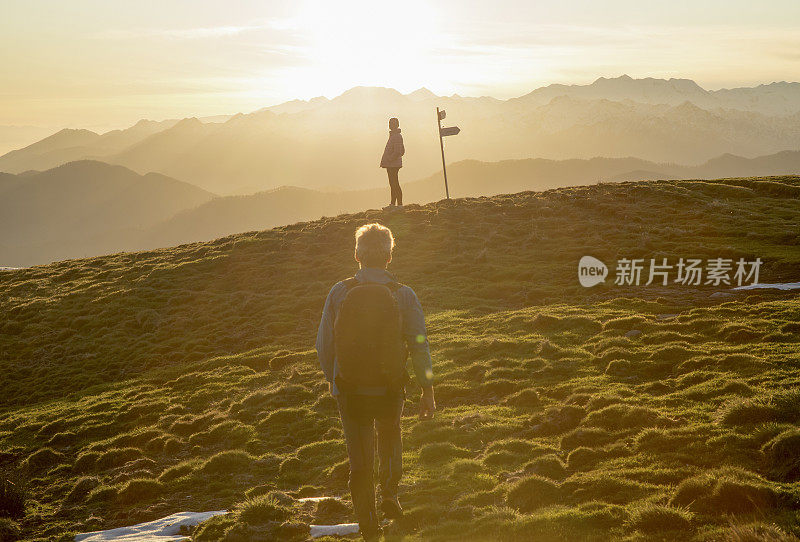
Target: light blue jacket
414,332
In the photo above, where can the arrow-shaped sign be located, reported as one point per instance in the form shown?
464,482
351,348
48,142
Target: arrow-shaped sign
444,132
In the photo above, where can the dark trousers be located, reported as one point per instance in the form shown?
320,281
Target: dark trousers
361,416
394,184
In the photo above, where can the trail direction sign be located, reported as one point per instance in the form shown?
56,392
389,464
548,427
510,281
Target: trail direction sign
444,132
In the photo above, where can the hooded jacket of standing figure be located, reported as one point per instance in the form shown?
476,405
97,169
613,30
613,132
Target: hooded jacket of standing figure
394,151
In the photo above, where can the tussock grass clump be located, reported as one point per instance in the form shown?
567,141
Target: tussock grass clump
138,490
747,412
655,518
782,456
549,466
116,457
9,530
103,495
80,490
589,437
466,467
184,468
557,420
258,518
779,407
331,511
419,517
532,493
293,471
263,509
527,398
604,486
582,458
43,459
483,498
62,440
172,446
134,439
323,452
503,459
215,529
787,404
499,387
13,494
514,446
626,323
727,491
227,462
620,417
191,424
668,441
439,452
621,368
757,532
230,433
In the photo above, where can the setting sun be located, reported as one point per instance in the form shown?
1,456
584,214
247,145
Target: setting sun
370,43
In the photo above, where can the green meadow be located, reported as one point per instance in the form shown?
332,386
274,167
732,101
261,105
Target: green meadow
138,385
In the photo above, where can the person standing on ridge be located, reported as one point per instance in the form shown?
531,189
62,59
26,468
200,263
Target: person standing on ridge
370,323
392,161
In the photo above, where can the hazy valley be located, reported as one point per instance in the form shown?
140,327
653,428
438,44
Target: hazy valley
90,208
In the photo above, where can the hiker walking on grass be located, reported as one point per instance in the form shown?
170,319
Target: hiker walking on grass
392,161
369,325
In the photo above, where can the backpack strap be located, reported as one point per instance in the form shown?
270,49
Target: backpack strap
349,283
393,285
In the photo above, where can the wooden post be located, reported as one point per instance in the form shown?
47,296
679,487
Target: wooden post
441,146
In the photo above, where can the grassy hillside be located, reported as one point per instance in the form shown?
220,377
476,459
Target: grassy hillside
137,385
468,178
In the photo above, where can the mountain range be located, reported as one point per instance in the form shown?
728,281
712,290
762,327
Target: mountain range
84,208
336,143
89,208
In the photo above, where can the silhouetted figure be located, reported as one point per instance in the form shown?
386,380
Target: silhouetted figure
369,326
392,160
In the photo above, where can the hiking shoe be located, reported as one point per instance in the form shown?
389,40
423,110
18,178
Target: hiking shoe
391,508
371,536
389,207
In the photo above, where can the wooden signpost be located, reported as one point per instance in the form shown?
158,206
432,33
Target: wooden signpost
444,132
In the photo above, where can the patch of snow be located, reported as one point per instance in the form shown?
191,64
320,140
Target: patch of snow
721,294
777,285
161,530
343,529
314,499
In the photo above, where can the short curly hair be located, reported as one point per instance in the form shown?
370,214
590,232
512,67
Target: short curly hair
374,245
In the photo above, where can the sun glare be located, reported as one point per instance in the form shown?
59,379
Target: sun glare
370,43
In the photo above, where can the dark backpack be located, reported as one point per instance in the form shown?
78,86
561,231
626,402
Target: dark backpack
368,339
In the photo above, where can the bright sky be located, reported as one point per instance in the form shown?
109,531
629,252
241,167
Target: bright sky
108,63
